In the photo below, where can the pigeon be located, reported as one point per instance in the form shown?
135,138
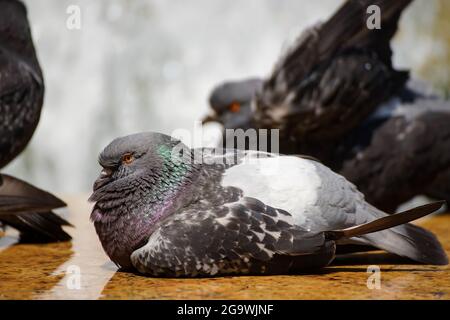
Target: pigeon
382,154
22,206
163,209
400,151
333,77
21,82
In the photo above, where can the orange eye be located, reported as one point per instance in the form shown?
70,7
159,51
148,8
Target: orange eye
127,158
235,107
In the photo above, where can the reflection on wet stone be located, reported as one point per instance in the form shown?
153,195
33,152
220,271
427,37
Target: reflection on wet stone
40,272
27,270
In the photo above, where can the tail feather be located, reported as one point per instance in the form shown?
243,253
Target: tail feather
19,196
29,210
393,234
410,241
38,227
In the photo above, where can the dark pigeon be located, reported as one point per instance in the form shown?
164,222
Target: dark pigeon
400,151
366,149
335,75
22,206
166,210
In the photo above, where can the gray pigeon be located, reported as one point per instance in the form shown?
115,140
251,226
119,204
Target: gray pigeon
166,210
22,206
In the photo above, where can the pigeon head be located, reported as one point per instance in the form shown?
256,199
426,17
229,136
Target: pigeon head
145,159
231,103
144,178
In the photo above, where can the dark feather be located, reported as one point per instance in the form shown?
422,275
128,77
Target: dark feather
17,196
335,76
235,247
385,222
28,209
21,82
390,170
394,234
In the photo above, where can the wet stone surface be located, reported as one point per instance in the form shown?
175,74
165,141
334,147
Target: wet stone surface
50,271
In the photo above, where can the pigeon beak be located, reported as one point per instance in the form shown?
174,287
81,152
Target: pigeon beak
105,172
104,178
210,118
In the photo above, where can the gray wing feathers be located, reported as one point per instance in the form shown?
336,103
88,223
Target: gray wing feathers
241,237
341,204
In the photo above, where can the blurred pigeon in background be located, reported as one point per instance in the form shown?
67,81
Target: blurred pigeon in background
350,109
335,75
400,151
157,201
22,206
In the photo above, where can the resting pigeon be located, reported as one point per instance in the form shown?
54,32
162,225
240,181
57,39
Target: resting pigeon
166,210
22,206
336,74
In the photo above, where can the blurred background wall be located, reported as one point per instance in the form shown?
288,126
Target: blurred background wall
139,65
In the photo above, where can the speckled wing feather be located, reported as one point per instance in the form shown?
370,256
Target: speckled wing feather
334,76
245,237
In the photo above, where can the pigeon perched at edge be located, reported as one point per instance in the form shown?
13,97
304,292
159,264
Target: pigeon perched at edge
166,210
22,206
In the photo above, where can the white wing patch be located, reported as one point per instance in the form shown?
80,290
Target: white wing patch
317,198
283,182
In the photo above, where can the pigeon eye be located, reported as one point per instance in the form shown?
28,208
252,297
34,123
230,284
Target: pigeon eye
127,158
235,107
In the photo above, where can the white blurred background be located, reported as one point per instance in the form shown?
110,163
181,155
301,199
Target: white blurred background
139,65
